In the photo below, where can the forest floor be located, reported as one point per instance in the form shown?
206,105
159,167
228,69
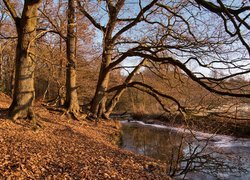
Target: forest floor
63,148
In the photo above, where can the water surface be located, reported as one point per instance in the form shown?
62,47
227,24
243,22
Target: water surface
193,155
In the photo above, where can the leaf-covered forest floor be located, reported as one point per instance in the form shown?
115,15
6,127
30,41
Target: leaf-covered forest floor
63,148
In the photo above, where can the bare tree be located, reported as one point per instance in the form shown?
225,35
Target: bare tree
183,36
24,91
235,17
109,42
71,102
53,21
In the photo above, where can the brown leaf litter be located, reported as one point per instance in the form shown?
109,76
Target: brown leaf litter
67,149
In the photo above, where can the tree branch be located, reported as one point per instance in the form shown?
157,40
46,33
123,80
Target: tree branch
57,31
149,89
135,21
90,18
11,10
183,67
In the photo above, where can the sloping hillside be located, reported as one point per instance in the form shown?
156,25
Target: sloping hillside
64,148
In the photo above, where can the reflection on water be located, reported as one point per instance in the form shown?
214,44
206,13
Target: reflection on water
186,156
151,142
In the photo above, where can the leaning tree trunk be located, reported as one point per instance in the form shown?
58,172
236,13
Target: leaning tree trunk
24,91
71,102
98,105
115,99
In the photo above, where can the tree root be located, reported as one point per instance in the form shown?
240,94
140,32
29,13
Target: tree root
73,113
58,109
28,114
35,125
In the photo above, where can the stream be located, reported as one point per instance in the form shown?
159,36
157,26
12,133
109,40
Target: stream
190,155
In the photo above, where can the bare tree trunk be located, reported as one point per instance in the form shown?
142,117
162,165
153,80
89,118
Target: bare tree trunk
110,37
71,102
115,99
24,91
61,60
1,74
98,106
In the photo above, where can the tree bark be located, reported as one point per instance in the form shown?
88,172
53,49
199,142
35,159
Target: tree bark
24,91
98,106
71,102
1,74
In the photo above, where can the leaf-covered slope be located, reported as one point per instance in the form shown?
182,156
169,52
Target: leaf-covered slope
65,148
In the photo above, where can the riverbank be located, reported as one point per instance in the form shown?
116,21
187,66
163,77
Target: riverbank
66,149
208,124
